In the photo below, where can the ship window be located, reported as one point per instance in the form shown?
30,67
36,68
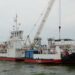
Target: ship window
3,51
35,52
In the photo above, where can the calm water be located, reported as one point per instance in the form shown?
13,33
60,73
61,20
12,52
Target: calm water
14,68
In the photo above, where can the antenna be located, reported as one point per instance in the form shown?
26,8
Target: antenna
16,22
59,19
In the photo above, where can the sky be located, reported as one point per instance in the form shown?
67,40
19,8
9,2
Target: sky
30,15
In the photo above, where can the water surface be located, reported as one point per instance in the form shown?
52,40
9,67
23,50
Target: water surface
19,68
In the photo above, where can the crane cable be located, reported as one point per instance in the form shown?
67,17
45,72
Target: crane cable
59,19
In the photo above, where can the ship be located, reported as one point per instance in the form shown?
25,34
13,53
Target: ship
15,50
58,51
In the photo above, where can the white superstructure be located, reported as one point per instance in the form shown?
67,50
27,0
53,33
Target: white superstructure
13,47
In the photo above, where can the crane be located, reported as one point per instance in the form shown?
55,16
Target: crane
44,18
50,4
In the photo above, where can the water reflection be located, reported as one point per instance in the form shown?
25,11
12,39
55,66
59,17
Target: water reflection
19,68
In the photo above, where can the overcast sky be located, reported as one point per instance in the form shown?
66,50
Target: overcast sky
28,13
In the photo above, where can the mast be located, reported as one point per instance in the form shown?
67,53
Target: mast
16,22
59,19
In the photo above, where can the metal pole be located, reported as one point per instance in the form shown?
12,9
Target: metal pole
59,19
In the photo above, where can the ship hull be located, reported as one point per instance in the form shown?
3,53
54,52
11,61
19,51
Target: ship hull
42,61
10,59
28,60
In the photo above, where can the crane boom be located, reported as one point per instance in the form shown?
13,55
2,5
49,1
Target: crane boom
42,22
44,18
